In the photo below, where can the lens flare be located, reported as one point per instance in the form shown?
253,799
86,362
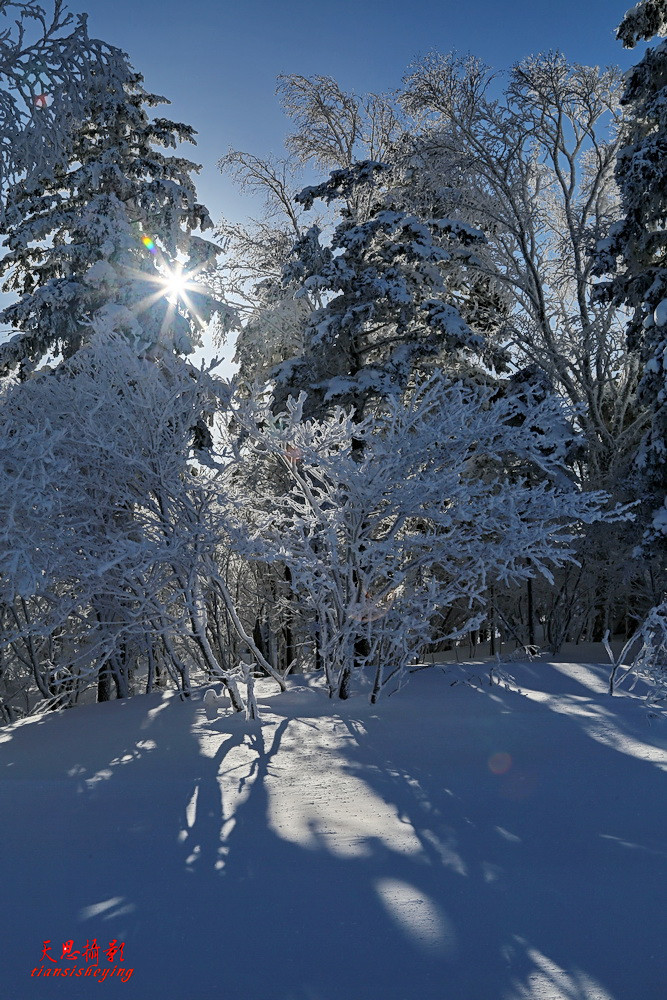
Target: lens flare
148,243
500,763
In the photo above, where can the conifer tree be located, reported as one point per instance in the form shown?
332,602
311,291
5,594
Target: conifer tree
397,293
636,251
99,243
50,68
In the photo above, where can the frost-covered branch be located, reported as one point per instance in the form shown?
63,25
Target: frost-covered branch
380,538
50,73
644,657
108,521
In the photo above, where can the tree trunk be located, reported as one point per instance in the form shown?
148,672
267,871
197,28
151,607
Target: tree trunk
345,683
361,650
492,629
104,684
531,613
287,627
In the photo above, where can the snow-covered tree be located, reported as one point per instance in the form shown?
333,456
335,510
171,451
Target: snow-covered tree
533,166
255,253
50,69
329,128
397,295
102,241
111,516
256,249
534,169
381,539
334,128
636,250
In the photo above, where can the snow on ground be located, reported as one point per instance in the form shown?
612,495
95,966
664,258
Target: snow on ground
450,843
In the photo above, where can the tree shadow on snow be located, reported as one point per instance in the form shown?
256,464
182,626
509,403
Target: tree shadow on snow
467,861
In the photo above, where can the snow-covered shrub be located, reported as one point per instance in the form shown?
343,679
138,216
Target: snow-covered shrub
386,522
107,522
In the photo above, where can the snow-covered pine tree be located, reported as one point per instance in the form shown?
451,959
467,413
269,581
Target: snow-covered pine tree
95,244
330,128
49,66
636,250
396,290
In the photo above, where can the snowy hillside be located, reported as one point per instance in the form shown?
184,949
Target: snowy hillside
449,843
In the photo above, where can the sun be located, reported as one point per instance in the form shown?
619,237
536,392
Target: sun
176,283
182,289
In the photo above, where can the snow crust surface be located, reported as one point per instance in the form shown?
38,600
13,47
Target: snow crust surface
459,842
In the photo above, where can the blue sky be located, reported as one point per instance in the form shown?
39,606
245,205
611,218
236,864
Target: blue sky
217,61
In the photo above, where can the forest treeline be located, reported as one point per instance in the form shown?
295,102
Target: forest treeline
448,423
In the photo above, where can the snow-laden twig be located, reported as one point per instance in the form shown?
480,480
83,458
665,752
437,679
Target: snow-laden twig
648,663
